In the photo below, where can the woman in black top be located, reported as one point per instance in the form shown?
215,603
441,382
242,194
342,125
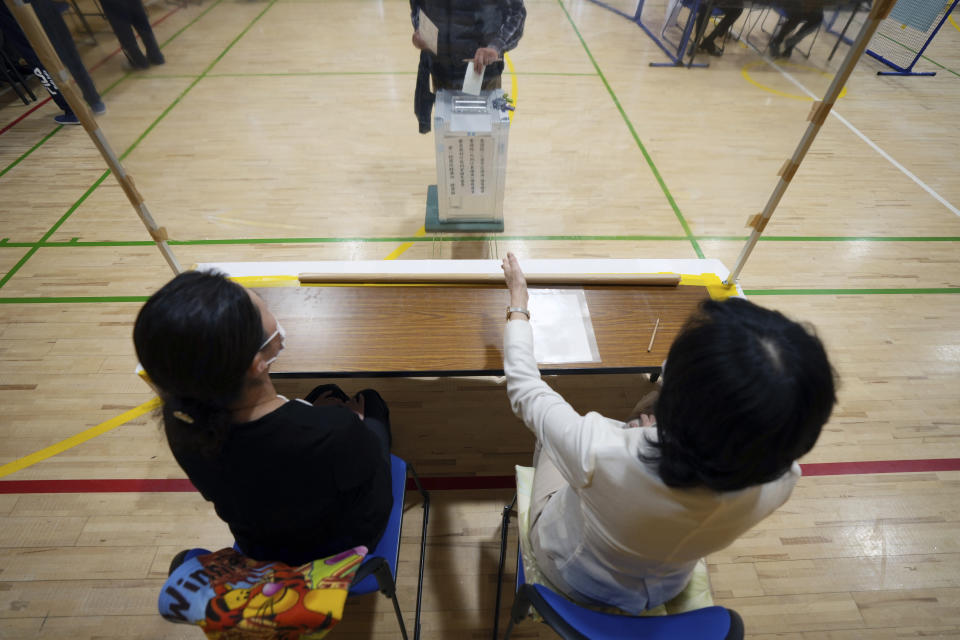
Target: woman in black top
295,481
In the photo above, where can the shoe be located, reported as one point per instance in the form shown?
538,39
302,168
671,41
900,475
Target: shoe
774,49
156,59
98,108
66,118
709,47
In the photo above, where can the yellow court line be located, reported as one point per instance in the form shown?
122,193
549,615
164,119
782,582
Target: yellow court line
396,253
513,84
79,438
954,23
745,72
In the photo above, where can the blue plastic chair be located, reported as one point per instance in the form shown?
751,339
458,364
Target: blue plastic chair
574,622
379,571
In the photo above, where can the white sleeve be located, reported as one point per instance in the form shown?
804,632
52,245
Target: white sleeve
566,436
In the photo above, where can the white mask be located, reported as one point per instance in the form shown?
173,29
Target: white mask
283,342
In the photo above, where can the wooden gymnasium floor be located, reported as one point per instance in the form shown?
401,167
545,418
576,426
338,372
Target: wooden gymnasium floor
283,129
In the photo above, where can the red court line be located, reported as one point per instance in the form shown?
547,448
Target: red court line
93,68
455,483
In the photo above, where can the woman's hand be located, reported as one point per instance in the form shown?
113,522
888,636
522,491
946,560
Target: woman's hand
516,282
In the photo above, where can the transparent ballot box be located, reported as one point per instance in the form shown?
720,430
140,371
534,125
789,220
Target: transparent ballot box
471,138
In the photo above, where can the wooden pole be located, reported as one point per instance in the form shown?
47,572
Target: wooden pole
818,114
635,279
28,21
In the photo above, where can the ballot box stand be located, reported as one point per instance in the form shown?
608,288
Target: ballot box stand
471,141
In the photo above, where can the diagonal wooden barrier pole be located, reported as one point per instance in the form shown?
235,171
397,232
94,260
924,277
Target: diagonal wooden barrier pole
28,21
818,114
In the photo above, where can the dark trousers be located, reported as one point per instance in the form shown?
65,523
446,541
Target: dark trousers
58,32
14,36
125,16
730,16
811,21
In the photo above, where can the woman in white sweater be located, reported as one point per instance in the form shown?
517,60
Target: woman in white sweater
620,514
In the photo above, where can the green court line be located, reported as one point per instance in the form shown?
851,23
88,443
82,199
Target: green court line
107,90
914,52
133,146
837,238
75,242
849,292
31,150
636,138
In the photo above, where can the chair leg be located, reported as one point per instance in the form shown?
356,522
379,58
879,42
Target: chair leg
423,548
389,588
519,610
504,528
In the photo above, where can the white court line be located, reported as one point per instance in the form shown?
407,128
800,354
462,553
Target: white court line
873,145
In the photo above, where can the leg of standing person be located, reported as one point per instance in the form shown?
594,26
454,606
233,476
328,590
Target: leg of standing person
138,16
119,19
52,21
14,35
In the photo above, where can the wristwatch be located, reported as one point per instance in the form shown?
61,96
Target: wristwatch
525,312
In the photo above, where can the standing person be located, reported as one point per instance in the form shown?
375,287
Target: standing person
469,30
125,16
620,515
51,17
295,481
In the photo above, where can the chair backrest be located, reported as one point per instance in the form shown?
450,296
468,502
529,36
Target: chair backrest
226,591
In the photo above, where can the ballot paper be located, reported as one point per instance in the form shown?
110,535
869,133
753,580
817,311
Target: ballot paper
428,32
472,81
562,330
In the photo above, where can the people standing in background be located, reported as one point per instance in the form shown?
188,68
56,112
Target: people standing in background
125,16
51,19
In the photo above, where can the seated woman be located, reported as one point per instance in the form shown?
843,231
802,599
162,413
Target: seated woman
619,516
294,481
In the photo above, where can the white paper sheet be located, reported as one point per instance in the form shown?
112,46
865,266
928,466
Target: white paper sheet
428,32
562,330
472,81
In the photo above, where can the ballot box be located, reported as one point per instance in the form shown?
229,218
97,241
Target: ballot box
471,140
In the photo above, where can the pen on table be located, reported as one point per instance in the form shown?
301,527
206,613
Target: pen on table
654,334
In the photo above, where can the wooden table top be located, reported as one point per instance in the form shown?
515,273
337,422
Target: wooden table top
344,331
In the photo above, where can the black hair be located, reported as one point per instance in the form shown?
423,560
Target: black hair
196,338
746,391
